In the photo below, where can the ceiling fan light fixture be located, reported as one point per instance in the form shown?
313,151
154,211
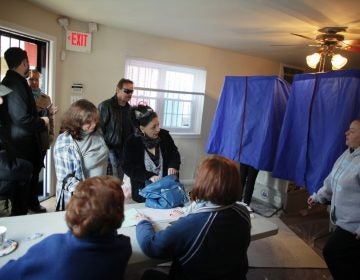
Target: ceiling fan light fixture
338,61
313,59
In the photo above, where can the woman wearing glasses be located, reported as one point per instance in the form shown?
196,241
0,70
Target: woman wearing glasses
150,153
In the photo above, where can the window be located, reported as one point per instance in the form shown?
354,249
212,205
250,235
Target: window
175,92
290,72
35,48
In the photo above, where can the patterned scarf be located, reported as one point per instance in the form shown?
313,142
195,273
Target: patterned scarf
148,142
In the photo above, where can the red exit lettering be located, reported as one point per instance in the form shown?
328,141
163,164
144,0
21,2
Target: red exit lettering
78,39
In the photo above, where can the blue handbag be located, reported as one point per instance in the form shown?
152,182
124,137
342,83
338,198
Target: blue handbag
165,193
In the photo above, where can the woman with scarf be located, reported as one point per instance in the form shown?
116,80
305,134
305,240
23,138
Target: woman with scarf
80,151
150,152
211,239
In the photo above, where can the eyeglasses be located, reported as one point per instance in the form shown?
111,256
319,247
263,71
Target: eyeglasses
128,91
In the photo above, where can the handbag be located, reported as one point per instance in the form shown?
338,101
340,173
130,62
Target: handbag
165,193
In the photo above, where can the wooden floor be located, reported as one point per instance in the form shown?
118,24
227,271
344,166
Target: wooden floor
310,225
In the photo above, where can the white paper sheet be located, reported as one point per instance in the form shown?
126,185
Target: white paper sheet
155,215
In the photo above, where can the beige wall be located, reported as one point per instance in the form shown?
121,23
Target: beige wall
101,70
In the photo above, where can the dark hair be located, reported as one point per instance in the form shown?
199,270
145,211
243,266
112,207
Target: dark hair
217,181
80,112
124,81
14,56
96,207
141,115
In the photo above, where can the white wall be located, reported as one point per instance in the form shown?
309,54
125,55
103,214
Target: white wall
100,70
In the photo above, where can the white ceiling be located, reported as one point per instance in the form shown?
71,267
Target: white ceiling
248,26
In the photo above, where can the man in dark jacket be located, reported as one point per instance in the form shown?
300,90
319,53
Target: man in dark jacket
21,119
116,125
14,173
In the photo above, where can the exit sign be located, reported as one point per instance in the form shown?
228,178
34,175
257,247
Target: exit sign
78,41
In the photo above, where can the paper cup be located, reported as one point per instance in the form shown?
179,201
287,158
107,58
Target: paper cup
2,235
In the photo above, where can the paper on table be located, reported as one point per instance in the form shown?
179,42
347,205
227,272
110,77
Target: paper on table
155,215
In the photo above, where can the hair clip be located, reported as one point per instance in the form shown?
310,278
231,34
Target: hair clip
140,115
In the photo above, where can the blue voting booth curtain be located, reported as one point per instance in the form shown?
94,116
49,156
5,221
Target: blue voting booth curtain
248,120
320,110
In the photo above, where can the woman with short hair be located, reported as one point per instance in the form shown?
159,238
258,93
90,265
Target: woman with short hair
342,188
211,240
91,249
80,151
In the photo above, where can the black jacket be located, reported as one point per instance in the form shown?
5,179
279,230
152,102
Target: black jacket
134,165
13,171
20,117
115,123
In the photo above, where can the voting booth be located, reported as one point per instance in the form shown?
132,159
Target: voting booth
319,111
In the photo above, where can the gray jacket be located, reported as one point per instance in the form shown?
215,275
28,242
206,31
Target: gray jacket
342,187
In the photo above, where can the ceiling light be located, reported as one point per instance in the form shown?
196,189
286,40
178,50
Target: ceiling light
318,60
313,59
338,61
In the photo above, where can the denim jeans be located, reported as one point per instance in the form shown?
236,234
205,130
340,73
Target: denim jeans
115,162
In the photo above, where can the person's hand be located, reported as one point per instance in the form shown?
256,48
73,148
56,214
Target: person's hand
141,217
126,190
310,202
46,120
52,109
357,236
154,178
172,171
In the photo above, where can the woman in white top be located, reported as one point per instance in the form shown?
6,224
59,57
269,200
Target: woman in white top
80,151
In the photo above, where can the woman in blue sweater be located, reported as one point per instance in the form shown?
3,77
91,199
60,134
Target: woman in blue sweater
211,240
91,249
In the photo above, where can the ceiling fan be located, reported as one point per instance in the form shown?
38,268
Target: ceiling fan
330,39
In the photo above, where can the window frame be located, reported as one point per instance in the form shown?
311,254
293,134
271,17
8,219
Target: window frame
196,102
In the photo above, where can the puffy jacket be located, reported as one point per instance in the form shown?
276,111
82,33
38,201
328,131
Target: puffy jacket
114,126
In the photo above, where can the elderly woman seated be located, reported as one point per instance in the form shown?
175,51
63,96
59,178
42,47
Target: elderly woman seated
91,249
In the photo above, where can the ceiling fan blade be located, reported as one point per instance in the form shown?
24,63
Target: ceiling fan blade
353,31
288,45
351,45
303,36
355,42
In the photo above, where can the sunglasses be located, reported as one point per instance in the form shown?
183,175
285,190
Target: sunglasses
128,91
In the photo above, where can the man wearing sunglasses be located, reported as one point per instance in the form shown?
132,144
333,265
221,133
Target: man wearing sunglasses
116,125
